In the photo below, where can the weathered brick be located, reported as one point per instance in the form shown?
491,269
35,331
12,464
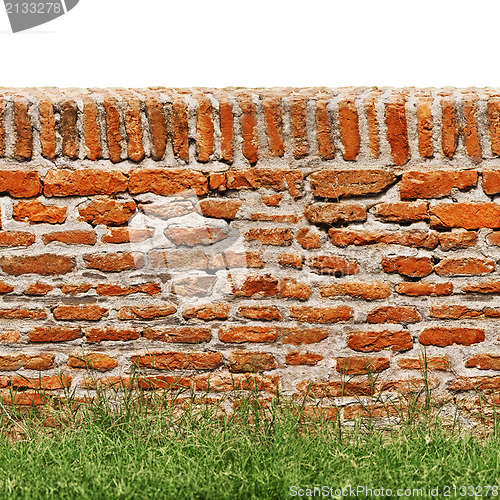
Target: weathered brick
146,312
113,126
290,288
365,290
271,106
207,312
470,131
178,360
167,181
36,212
45,264
54,334
114,262
220,209
272,200
248,128
413,267
360,365
74,289
178,259
226,119
178,335
457,239
109,333
349,127
194,286
418,238
87,182
274,236
397,131
107,211
298,124
473,384
243,361
23,147
192,236
179,124
308,238
22,313
20,183
491,286
92,361
236,382
486,361
311,314
91,129
436,183
71,237
240,334
297,336
457,311
401,212
69,129
424,127
348,183
494,124
38,289
48,383
91,312
268,217
449,130
127,235
326,147
271,178
115,290
443,336
267,313
394,314
491,182
339,266
372,122
5,288
47,128
290,260
372,341
335,213
334,388
464,266
441,363
16,238
429,289
466,215
133,126
204,129
257,286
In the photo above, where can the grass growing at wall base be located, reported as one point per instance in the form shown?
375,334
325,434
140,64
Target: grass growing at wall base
146,446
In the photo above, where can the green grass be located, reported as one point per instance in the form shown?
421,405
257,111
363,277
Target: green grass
147,447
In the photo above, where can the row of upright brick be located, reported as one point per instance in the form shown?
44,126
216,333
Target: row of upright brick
249,125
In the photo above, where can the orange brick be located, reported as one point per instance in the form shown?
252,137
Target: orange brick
401,212
146,312
471,136
413,267
92,361
16,238
47,129
248,128
429,289
338,266
243,361
335,213
465,266
226,118
127,235
157,126
424,127
372,121
435,184
179,123
484,362
298,122
360,365
465,215
53,334
133,126
107,211
349,127
36,212
368,291
308,238
91,130
178,360
91,312
113,334
71,237
178,335
38,289
20,183
114,262
449,135
69,129
220,209
240,334
290,288
397,132
267,313
204,129
494,125
23,148
326,147
491,181
297,336
418,238
310,314
441,363
302,358
457,239
207,312
45,265
257,286
271,106
394,314
274,236
290,260
167,182
115,290
372,341
442,336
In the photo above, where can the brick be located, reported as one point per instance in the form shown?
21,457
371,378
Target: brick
71,237
167,181
91,129
465,266
204,129
23,147
408,385
47,128
418,238
113,125
44,265
69,130
194,286
87,182
146,312
24,398
179,123
257,286
271,178
466,215
38,289
428,289
114,262
372,122
107,211
401,212
157,126
75,289
248,128
170,208
456,311
424,127
326,146
20,183
298,122
35,212
226,119
272,200
290,288
397,131
457,239
178,360
127,235
11,363
310,314
368,291
347,183
338,266
473,384
22,313
494,125
92,361
360,365
179,335
39,362
16,239
115,290
53,334
413,267
111,334
234,259
442,336
290,260
308,238
349,127
5,288
440,363
493,238
449,135
470,131
133,127
91,312
243,361
220,209
335,213
267,313
274,236
435,184
370,410
50,383
240,334
236,382
372,341
484,362
10,337
207,312
302,358
267,217
482,287
394,314
192,236
298,336
271,106
491,182
178,259
2,128
334,388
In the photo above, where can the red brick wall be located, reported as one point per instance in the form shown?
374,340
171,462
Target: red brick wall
305,235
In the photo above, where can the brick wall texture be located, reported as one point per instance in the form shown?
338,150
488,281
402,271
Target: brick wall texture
322,240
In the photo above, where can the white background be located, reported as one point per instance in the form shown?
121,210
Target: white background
218,43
